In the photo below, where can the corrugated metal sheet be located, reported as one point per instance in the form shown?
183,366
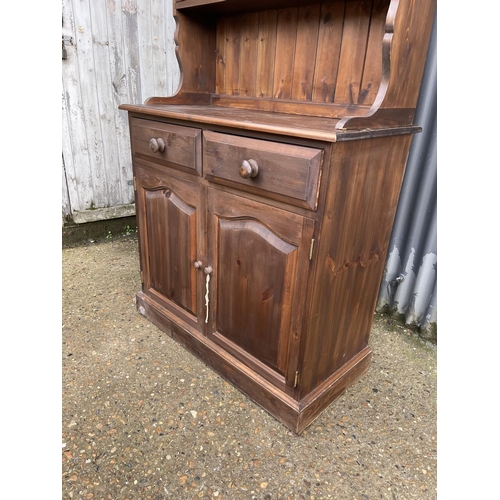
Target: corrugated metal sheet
409,286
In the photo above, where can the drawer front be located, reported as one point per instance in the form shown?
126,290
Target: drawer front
279,171
170,145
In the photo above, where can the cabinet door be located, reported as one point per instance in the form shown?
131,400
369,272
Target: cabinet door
260,261
169,218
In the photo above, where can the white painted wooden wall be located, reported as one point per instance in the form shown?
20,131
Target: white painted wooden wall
122,51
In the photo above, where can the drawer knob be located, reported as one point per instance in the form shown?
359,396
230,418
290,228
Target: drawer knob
198,264
157,145
249,168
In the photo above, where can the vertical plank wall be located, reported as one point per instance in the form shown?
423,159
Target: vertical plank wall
122,51
318,53
412,254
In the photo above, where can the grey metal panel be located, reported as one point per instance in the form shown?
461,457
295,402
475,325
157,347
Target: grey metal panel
409,285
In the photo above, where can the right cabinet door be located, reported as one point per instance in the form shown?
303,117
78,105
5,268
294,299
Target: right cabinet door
259,257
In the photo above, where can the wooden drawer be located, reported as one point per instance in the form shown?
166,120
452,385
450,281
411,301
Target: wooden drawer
279,171
182,145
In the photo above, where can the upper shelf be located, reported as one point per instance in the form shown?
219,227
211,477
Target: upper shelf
304,127
218,7
357,63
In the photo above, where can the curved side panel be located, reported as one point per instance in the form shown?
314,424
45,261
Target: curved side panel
407,34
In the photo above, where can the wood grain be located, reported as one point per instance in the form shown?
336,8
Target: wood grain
327,53
284,169
286,37
220,56
372,69
266,40
170,221
305,52
364,183
249,47
183,144
353,50
234,28
259,269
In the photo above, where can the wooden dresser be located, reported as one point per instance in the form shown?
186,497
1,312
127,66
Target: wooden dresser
266,187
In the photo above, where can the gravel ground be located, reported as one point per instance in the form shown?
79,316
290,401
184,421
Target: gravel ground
144,419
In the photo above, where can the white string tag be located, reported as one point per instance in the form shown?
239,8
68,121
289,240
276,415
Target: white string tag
206,297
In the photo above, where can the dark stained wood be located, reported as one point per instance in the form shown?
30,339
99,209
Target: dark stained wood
266,41
327,55
408,51
228,7
220,56
169,219
286,38
283,169
311,127
249,46
353,50
305,52
266,188
234,28
255,272
288,106
172,225
351,254
257,278
182,144
195,98
408,25
371,78
195,47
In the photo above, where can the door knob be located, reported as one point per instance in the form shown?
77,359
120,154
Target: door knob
249,168
198,264
157,145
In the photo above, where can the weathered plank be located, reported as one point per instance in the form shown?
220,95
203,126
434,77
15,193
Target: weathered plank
106,111
119,95
123,51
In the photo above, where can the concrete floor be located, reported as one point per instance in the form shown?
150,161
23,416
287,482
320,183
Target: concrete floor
144,419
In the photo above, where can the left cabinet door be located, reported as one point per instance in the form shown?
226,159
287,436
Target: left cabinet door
169,218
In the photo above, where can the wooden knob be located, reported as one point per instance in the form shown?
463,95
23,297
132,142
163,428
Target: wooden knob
157,145
208,270
198,264
249,168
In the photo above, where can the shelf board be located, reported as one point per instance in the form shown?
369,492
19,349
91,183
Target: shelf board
304,127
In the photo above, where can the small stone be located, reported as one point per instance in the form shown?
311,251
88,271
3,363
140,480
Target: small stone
264,485
194,413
